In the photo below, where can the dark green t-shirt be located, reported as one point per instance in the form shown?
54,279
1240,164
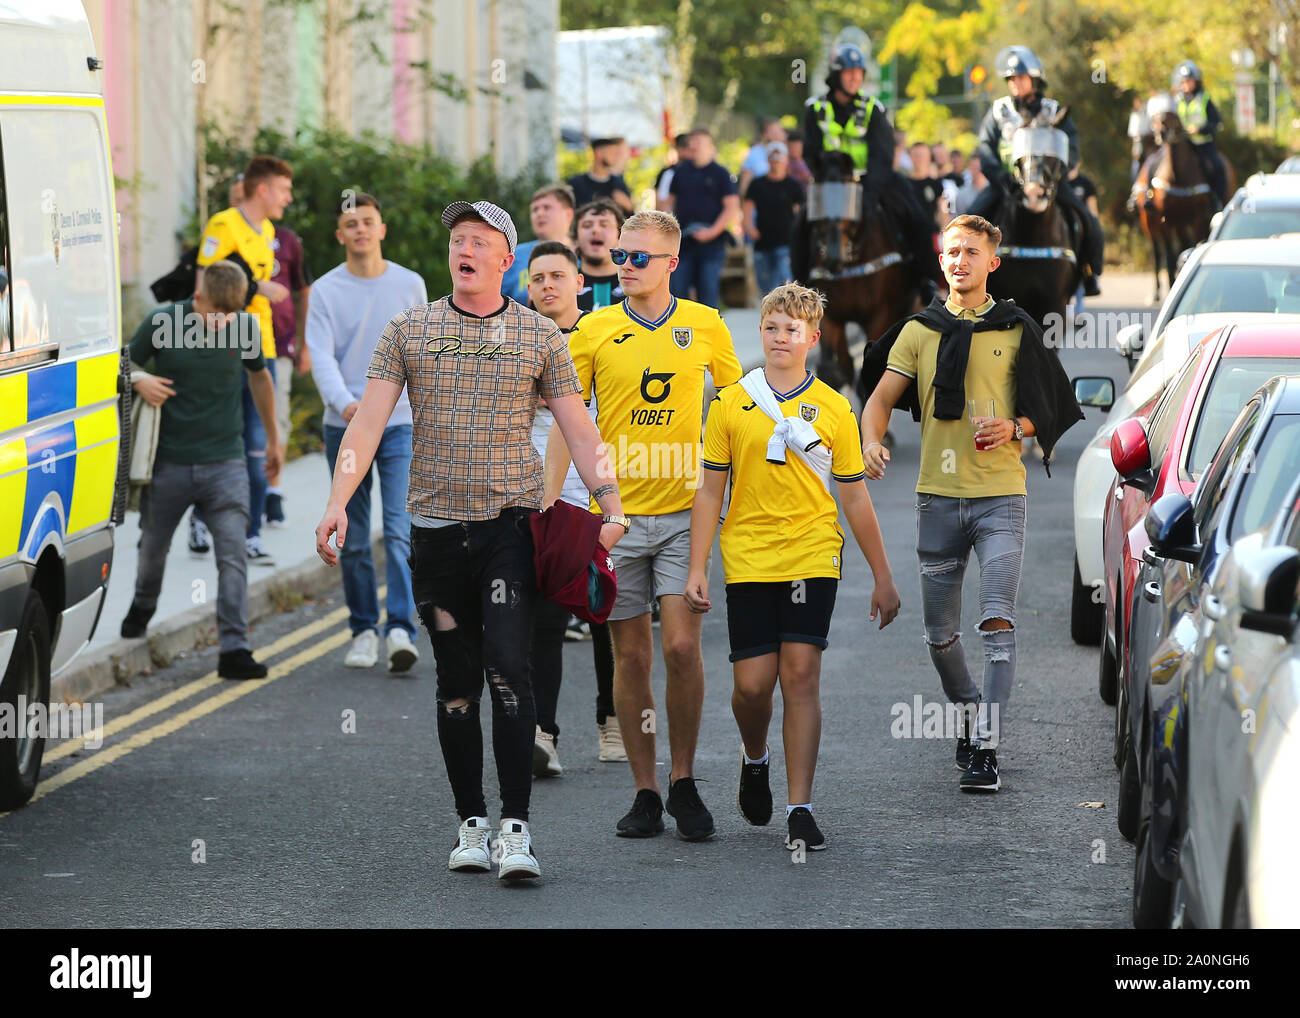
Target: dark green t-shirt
204,421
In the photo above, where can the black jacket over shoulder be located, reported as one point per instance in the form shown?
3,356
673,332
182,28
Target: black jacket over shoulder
1043,390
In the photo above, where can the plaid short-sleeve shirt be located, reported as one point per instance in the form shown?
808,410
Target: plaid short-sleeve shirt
473,384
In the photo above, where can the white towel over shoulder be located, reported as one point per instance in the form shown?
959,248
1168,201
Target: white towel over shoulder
794,431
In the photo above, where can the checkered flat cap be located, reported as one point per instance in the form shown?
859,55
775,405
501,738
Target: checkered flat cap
496,217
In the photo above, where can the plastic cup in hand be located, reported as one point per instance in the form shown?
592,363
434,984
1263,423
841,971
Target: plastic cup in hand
981,412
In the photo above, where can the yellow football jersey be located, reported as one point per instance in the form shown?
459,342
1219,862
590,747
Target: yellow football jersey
229,231
648,380
782,523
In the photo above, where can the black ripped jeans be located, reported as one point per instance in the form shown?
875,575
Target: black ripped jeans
482,575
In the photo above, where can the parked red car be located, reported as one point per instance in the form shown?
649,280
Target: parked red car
1164,449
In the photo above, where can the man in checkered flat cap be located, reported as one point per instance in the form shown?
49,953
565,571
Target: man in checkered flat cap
474,363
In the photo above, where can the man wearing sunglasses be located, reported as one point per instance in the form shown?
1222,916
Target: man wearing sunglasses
645,360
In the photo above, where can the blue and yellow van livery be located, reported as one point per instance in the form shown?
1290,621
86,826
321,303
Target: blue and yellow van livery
64,381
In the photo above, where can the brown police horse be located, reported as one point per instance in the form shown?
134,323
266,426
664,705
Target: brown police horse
1175,201
856,261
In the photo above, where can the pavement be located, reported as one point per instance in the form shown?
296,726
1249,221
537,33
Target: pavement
319,797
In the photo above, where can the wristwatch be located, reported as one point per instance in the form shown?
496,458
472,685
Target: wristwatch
1020,430
622,521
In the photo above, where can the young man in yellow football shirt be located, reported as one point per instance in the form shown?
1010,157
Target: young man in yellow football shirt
645,360
246,230
782,546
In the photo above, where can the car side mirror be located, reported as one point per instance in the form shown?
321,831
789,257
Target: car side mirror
1128,341
1171,528
1269,588
1095,391
1131,455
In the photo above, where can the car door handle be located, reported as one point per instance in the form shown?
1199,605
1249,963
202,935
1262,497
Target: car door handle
1151,591
1214,608
1222,658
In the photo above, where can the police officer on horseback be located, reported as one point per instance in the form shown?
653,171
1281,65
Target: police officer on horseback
1200,119
846,121
1027,106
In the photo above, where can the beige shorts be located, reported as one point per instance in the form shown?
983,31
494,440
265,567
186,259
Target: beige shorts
283,383
653,559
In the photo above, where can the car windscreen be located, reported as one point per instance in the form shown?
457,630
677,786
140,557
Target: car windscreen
1235,381
1269,289
1240,224
1269,477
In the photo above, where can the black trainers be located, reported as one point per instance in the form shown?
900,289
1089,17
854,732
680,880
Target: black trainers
135,623
239,664
646,817
274,509
982,774
804,832
694,821
962,759
755,796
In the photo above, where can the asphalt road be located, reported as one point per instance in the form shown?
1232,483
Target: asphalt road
249,805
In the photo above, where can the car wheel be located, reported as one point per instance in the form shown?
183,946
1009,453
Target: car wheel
28,677
1130,789
1086,615
1106,675
1152,893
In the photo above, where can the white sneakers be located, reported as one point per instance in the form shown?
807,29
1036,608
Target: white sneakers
364,651
473,848
611,741
546,762
401,652
513,851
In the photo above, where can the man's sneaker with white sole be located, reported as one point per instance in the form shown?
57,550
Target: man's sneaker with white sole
401,651
610,741
514,852
364,651
473,849
546,762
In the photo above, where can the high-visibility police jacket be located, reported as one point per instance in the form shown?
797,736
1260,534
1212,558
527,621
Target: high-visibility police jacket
860,128
1199,116
1000,124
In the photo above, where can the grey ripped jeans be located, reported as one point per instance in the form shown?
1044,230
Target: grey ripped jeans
946,530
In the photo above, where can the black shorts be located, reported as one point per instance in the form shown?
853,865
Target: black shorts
762,616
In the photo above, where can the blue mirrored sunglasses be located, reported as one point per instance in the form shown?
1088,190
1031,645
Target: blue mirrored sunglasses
640,259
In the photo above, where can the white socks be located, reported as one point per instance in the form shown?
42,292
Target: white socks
764,759
797,805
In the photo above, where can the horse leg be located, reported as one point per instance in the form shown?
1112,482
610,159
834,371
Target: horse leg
1157,256
833,340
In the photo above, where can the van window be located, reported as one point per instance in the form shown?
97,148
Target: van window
60,270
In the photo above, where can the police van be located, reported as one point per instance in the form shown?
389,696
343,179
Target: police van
64,382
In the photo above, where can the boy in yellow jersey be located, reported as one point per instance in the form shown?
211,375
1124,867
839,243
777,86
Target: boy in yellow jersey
246,229
783,436
645,361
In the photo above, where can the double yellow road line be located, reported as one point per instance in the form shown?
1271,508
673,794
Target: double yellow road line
176,722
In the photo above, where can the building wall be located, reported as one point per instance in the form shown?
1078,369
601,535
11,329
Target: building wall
171,65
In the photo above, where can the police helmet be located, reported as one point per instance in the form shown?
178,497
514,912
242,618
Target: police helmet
846,58
1013,60
1187,69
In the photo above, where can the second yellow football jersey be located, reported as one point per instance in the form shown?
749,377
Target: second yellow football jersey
229,231
648,381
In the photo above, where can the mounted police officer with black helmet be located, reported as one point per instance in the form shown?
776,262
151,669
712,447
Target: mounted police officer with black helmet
1026,105
844,120
1200,119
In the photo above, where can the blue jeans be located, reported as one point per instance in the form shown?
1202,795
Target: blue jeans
393,462
946,530
255,456
771,268
699,266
